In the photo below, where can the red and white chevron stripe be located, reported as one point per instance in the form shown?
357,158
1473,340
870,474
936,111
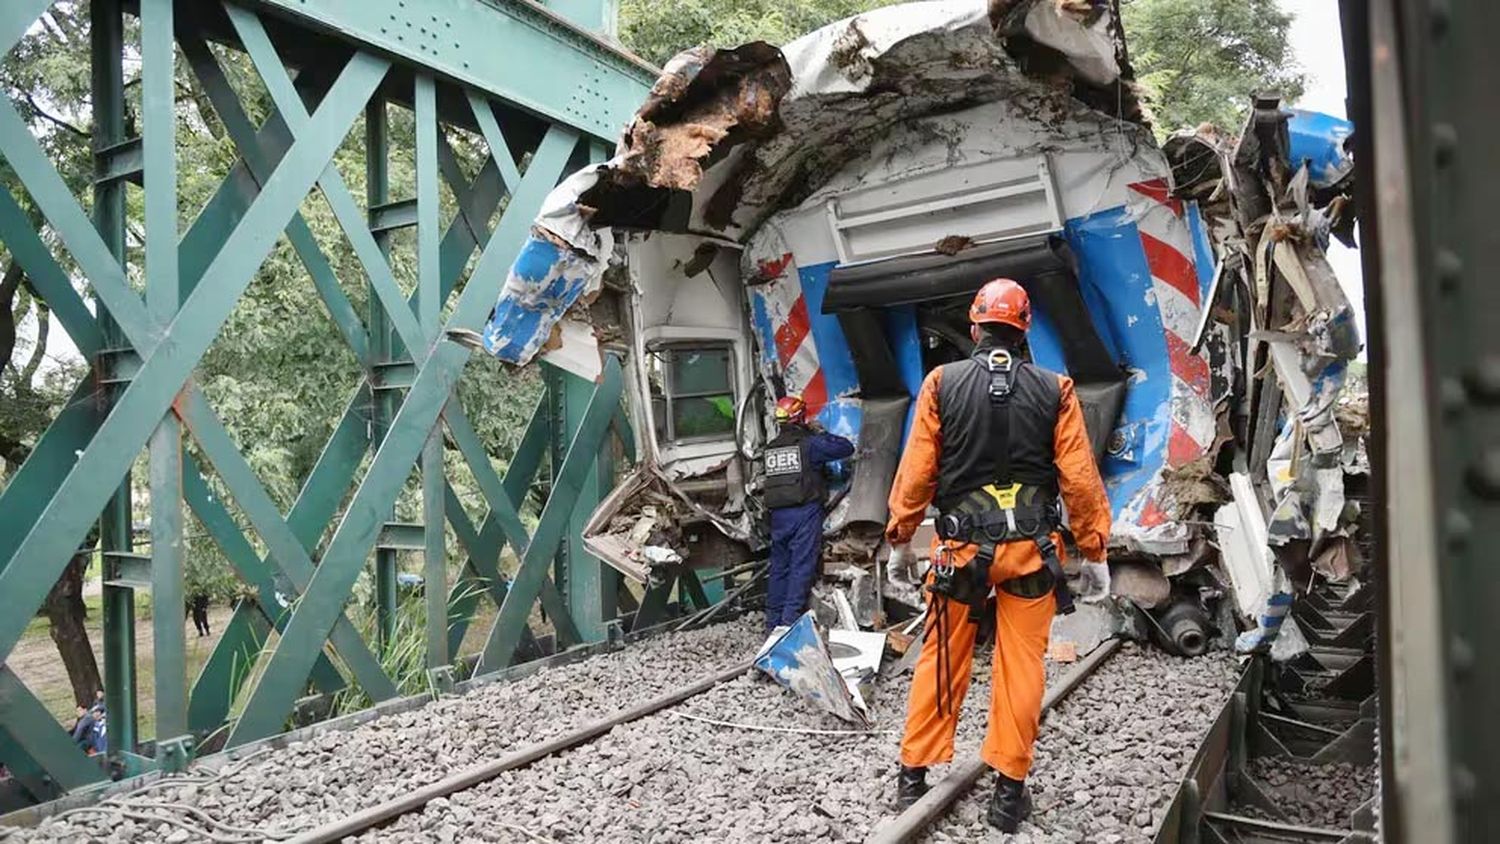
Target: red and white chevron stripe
778,285
1168,245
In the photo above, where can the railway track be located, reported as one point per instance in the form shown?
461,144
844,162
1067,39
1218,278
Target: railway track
731,757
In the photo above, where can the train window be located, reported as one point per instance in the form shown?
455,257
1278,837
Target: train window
692,392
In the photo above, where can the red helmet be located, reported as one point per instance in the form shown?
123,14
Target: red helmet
1002,301
790,409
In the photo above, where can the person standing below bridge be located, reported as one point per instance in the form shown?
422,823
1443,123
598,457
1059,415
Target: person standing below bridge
200,613
794,493
994,441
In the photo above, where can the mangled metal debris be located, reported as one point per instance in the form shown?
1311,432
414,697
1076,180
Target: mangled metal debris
834,669
1272,199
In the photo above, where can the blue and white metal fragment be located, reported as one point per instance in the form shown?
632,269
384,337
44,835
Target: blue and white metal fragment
799,659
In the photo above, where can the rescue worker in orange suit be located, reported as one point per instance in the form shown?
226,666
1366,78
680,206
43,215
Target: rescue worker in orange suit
995,441
794,492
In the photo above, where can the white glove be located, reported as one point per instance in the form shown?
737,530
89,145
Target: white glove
903,563
1095,582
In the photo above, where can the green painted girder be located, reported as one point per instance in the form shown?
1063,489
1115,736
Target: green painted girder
429,316
17,16
653,606
218,245
257,505
568,480
590,586
288,667
107,231
588,83
163,297
314,507
692,589
351,219
272,587
47,278
259,151
482,576
504,511
167,365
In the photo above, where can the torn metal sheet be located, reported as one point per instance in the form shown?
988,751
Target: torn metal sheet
1245,546
727,137
1321,142
1081,30
639,526
799,659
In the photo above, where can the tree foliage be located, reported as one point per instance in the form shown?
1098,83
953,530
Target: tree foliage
659,29
1201,60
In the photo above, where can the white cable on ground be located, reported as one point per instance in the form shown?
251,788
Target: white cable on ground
166,819
771,729
274,834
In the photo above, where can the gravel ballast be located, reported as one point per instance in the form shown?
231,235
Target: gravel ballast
1110,756
773,768
1309,794
339,772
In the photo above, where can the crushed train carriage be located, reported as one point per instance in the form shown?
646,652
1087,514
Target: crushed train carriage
814,220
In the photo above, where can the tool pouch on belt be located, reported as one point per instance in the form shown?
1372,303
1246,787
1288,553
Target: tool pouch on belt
969,584
992,516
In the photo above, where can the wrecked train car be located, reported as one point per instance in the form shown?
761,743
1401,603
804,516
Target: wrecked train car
814,220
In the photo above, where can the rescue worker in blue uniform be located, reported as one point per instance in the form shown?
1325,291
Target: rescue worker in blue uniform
794,493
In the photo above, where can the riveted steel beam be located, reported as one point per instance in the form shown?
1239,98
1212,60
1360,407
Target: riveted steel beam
256,503
591,85
259,151
355,224
104,239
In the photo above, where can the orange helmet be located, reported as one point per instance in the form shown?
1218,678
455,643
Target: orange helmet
1002,301
790,409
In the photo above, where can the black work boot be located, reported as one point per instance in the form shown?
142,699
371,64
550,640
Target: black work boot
1010,805
911,784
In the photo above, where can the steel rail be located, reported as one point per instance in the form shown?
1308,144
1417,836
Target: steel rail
941,797
1283,831
366,819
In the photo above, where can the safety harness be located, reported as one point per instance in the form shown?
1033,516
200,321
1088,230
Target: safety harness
1001,512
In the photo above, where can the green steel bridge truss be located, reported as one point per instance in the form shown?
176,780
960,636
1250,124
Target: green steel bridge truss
473,64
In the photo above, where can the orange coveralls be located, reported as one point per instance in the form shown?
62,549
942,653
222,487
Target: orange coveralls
1023,625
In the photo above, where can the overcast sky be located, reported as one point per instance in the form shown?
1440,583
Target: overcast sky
1317,45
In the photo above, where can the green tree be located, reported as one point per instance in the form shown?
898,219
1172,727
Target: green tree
659,29
1201,60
